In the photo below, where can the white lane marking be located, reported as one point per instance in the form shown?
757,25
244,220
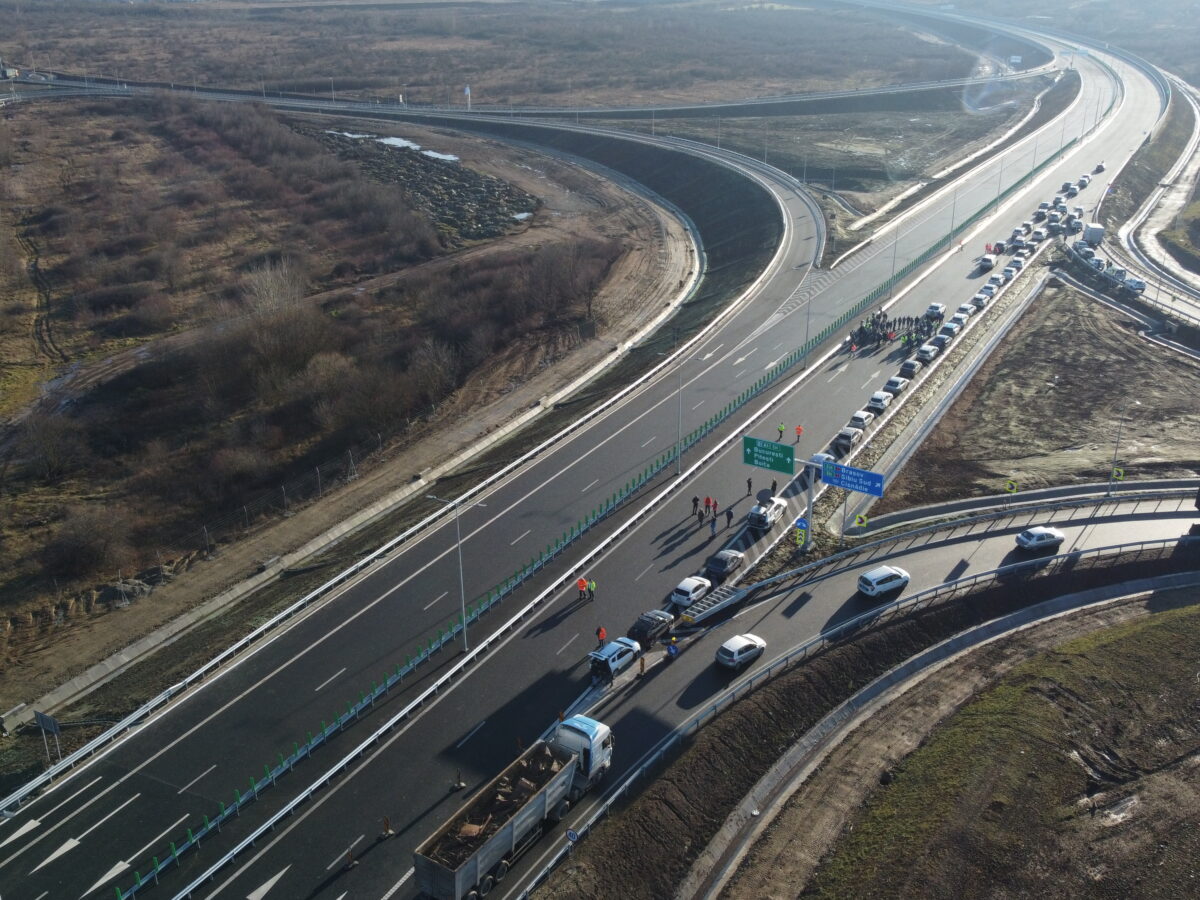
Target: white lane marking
644,571
261,891
713,352
42,895
698,405
72,843
773,362
28,826
470,734
777,346
741,359
840,369
872,378
596,481
399,884
201,775
124,864
738,375
69,799
567,644
334,675
648,443
521,536
434,600
341,857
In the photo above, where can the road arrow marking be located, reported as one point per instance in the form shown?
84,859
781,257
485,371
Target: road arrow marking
28,826
259,892
123,866
72,843
108,876
742,359
842,368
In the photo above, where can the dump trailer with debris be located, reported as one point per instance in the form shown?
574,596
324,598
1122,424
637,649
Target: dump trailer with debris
474,850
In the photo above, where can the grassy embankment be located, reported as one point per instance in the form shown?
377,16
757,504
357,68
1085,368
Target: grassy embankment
1000,790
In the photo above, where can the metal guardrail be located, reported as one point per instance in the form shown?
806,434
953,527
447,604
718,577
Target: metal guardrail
815,645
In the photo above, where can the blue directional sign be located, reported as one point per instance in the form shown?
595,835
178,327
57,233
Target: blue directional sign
852,479
800,522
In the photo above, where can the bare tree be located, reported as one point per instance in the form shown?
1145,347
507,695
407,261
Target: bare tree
54,445
434,369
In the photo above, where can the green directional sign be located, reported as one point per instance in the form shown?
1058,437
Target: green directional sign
773,455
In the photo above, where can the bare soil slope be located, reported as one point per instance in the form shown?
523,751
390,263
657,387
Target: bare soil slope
1046,407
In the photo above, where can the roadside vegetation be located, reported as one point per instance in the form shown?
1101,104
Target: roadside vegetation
1076,769
510,53
195,247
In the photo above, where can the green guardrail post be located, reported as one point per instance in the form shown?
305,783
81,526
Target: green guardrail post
174,853
191,840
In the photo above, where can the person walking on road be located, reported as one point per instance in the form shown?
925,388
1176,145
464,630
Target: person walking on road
749,487
799,431
707,505
582,585
774,486
591,588
714,508
601,634
712,526
729,518
699,517
781,431
695,504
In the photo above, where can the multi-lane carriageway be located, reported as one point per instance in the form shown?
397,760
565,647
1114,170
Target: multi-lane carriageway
89,835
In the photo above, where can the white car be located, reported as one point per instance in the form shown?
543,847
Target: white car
1017,263
997,279
1010,272
989,289
740,651
690,590
879,401
895,385
936,310
861,419
1040,537
958,319
966,311
765,515
926,352
980,300
882,580
609,661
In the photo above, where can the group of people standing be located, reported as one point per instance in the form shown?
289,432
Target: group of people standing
878,328
709,512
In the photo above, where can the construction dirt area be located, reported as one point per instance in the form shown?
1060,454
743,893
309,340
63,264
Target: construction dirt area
1046,407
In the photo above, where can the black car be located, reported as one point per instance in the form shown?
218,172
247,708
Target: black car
720,564
650,626
910,368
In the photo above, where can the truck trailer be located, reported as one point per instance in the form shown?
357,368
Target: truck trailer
473,851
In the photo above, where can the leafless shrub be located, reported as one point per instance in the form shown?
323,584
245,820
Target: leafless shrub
89,541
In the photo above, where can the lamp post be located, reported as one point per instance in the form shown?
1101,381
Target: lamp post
1112,469
462,589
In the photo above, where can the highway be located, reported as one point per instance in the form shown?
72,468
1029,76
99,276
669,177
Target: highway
91,833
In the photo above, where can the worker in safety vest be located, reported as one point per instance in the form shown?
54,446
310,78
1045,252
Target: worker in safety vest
582,585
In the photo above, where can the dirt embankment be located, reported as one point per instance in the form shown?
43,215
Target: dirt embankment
1046,407
649,845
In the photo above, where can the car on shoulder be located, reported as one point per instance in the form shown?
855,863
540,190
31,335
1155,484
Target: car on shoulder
1072,191
1039,235
895,385
1084,180
690,590
613,658
650,626
820,459
980,300
723,564
1066,186
966,311
861,419
996,279
935,310
763,515
882,580
989,289
910,367
1099,168
1039,537
1017,263
879,401
957,319
1010,272
927,352
845,440
941,341
741,650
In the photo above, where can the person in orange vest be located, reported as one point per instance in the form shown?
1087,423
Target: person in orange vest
707,505
601,634
799,431
582,585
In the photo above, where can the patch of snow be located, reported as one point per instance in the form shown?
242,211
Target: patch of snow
349,134
448,157
399,142
521,217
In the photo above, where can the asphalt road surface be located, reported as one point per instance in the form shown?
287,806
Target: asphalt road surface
92,832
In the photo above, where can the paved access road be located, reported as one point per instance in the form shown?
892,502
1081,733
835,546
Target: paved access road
109,819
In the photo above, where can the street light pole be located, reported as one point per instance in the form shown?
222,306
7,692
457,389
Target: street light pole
462,587
1112,469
